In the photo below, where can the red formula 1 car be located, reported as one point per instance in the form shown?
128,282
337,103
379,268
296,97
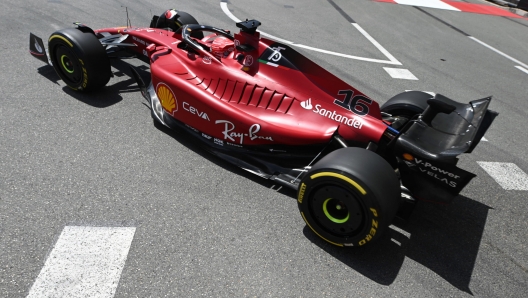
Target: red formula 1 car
264,107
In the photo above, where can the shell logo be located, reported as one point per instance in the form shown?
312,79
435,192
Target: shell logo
167,98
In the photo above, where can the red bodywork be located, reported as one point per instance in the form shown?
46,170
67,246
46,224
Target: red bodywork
256,101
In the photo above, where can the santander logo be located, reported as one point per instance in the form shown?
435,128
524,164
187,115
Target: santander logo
307,104
349,120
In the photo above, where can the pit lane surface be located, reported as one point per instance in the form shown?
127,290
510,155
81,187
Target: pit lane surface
206,228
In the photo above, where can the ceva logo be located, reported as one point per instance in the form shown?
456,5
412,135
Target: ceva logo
195,111
307,104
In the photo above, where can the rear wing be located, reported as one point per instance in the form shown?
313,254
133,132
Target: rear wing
428,148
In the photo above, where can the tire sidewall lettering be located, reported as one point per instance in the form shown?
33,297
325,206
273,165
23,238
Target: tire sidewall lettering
371,210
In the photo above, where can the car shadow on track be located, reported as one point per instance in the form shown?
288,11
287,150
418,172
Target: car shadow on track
105,97
443,238
197,147
49,73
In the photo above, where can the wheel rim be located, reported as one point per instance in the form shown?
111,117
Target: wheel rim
338,210
66,64
69,65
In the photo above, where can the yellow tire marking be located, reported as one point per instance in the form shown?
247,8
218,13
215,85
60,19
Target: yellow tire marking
338,244
342,177
61,37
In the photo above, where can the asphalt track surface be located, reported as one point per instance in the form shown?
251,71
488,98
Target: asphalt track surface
206,228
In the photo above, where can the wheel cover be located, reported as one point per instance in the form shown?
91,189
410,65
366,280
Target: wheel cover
338,210
68,65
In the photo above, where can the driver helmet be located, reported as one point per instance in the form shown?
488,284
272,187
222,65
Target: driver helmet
169,19
222,46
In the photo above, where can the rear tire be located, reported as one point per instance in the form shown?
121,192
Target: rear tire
349,197
79,59
182,19
405,106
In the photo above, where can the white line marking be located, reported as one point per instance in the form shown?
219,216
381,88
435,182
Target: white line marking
345,55
404,233
228,13
427,3
85,262
57,27
284,41
376,44
391,58
498,52
400,73
522,69
396,241
484,139
507,175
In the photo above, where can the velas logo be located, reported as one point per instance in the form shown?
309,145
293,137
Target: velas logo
169,14
347,120
447,177
167,98
307,104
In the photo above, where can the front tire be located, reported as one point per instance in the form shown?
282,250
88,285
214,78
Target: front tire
349,197
79,59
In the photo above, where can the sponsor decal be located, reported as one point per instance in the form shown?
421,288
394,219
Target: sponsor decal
436,172
206,136
407,156
307,104
85,75
347,120
276,55
167,98
38,47
232,135
192,128
237,42
373,228
206,60
139,40
301,193
169,14
358,104
193,110
218,142
248,61
234,145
